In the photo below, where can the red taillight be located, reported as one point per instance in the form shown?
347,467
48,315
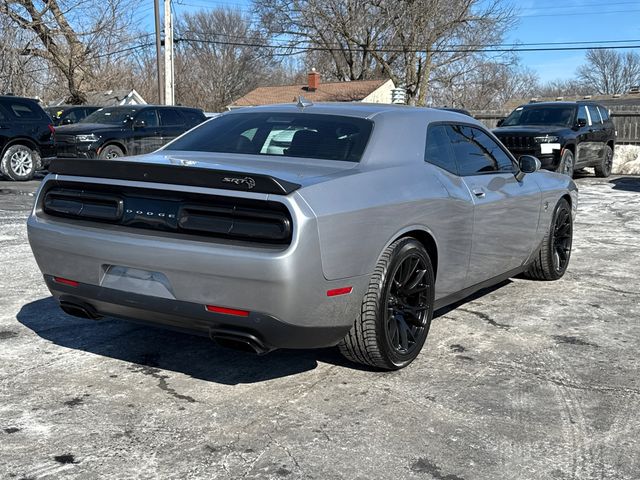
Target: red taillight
227,311
339,291
66,281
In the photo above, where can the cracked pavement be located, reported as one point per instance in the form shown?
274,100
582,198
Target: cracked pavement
528,380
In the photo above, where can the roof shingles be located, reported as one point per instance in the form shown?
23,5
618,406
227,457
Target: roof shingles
353,91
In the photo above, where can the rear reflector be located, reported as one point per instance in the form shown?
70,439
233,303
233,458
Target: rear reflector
227,311
66,281
339,291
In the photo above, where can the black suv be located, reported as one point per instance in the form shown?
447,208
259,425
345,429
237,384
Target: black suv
68,114
26,137
113,132
565,136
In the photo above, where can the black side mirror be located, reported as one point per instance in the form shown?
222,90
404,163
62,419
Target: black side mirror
67,121
500,122
527,164
138,124
582,122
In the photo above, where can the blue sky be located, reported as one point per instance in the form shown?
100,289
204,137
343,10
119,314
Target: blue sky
538,21
571,21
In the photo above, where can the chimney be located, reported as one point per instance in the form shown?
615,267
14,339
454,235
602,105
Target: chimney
314,80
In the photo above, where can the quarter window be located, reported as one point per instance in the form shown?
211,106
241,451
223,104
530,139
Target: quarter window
438,149
476,153
604,113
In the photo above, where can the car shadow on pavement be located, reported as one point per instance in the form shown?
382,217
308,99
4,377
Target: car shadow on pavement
631,184
164,349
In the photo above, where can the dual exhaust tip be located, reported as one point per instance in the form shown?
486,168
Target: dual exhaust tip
227,338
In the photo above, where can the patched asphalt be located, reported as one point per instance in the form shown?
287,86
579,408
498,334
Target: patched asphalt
530,380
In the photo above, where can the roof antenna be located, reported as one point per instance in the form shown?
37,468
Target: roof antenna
303,102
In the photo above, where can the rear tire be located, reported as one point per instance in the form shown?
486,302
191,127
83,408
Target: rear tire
19,163
567,163
109,152
604,169
396,311
553,258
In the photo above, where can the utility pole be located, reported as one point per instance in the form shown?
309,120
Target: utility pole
156,8
169,95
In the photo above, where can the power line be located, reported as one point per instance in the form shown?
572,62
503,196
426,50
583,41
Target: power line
295,50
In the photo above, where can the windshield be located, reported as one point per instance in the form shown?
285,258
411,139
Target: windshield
561,115
326,137
111,116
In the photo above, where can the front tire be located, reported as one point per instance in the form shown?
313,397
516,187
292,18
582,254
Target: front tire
567,163
396,311
604,169
553,258
109,152
19,163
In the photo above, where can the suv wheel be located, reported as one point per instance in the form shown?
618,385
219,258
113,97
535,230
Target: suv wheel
566,163
19,163
604,169
110,152
396,311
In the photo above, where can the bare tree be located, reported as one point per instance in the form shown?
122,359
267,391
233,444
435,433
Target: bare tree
609,71
217,60
70,35
563,88
405,40
482,84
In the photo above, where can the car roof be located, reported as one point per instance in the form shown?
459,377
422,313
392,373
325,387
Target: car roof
361,110
564,103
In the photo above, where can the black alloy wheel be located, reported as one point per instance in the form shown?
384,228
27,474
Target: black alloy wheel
552,260
396,311
407,305
562,239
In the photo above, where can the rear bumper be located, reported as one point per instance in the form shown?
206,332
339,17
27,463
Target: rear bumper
283,287
261,330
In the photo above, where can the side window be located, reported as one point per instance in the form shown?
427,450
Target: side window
476,153
74,115
595,115
582,115
149,117
170,117
604,113
438,149
193,117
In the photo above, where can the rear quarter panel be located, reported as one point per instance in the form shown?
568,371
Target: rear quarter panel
360,214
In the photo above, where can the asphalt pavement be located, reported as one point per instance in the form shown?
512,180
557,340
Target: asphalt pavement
529,380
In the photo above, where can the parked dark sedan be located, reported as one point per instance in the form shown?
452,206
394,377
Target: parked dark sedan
126,130
68,114
565,136
26,137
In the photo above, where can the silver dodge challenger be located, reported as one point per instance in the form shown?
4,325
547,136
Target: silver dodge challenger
302,226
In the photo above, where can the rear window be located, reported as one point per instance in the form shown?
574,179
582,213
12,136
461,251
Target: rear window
24,111
325,137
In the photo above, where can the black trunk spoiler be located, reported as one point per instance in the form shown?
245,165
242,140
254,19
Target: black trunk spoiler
173,174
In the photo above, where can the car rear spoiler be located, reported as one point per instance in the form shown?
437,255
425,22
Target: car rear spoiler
173,174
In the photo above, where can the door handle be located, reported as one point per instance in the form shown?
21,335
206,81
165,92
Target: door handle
478,192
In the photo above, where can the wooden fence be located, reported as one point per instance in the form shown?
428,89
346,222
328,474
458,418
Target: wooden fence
626,121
